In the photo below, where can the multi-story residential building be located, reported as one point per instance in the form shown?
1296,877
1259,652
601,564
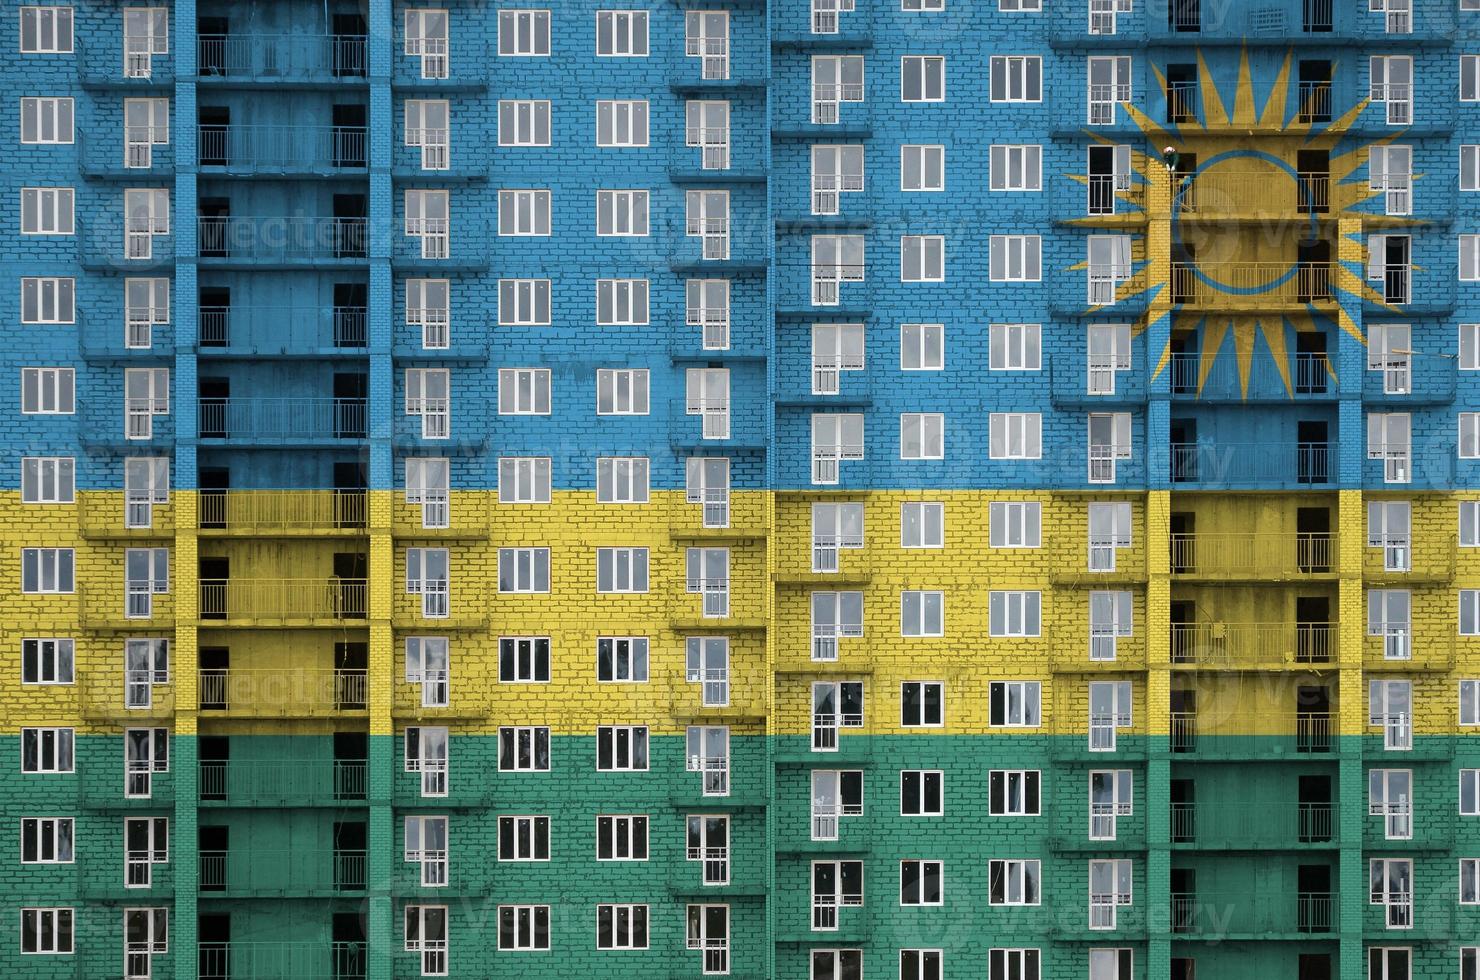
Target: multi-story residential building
817,490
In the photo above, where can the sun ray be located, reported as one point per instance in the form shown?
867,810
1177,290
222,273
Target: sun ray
1243,98
1244,334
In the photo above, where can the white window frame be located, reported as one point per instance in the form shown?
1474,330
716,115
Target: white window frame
49,120
1015,168
622,213
624,122
45,30
524,391
48,479
926,163
1015,524
527,571
524,212
48,660
622,302
621,571
524,479
524,33
1019,878
625,30
524,122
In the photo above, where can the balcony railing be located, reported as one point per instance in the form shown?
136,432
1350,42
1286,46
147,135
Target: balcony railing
1252,644
281,961
290,149
1309,732
1250,285
1311,378
262,692
283,329
285,419
255,511
282,57
279,782
1224,913
1182,102
1270,825
1315,102
1234,192
1259,555
282,239
282,872
275,599
1254,464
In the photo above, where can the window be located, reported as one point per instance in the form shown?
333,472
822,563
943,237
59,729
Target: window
1469,523
1109,619
427,125
1390,172
1116,964
524,838
1469,792
707,217
524,479
835,437
922,6
524,212
836,793
834,884
922,613
836,348
922,258
707,573
1013,882
47,750
146,842
1109,888
1015,524
46,30
1014,964
524,302
922,347
835,79
922,704
1392,887
621,392
1390,796
47,930
1388,616
46,570
426,753
922,435
47,479
429,306
1109,438
921,882
1016,258
922,525
622,480
146,751
834,705
146,574
707,392
1015,435
622,214
622,748
1469,881
48,299
921,964
523,749
621,927
523,33
1390,439
47,391
1109,710
524,122
836,259
1110,797
1017,78
708,839
524,659
524,569
1109,85
1469,435
836,170
707,37
839,964
1016,167
524,391
1392,85
146,33
922,167
46,840
622,34
46,661
1015,347
428,218
1469,612
427,485
46,120
622,123
1014,792
1469,956
622,659
621,570
1015,704
426,38
707,126
834,615
1469,78
428,575
707,305
1469,702
922,78
426,935
621,302
146,482
709,930
46,211
1014,613
146,393
622,838
922,793
146,662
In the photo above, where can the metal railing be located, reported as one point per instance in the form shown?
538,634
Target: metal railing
286,872
1311,378
1260,555
282,418
265,782
285,148
281,57
1250,824
290,598
1181,102
286,693
1254,463
282,510
281,960
1237,192
282,238
285,328
1252,644
1250,285
1221,913
1315,102
1312,732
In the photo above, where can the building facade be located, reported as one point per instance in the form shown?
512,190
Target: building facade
816,491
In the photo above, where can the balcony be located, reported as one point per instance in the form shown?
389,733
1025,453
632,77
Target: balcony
1254,826
1396,650
282,241
721,696
103,65
295,872
1231,915
1261,556
104,245
282,59
1220,194
268,693
1310,378
1098,382
1425,559
106,608
1254,465
1239,646
102,516
283,512
112,157
1251,286
281,961
282,421
287,782
1423,381
1306,736
290,601
282,150
289,331
109,695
